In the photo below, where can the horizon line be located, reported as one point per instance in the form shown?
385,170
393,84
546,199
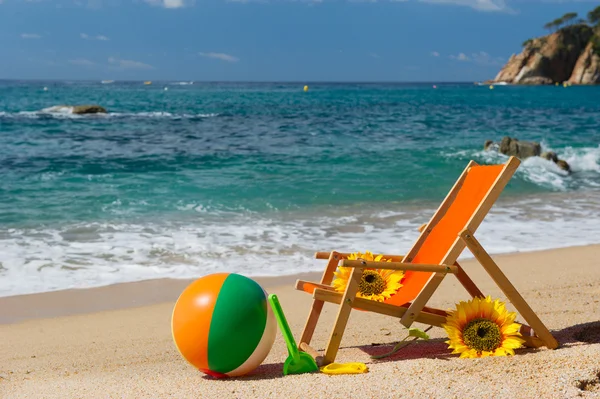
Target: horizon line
244,81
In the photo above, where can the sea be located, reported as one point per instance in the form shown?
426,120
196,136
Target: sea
184,179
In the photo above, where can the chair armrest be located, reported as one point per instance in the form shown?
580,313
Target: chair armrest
344,255
400,266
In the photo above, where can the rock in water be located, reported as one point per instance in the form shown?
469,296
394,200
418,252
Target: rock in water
524,149
520,149
536,80
563,165
88,109
550,156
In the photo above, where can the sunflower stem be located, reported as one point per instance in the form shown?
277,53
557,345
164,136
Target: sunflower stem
415,333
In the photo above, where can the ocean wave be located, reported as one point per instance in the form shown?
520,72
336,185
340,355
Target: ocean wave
66,112
584,163
161,114
58,109
84,255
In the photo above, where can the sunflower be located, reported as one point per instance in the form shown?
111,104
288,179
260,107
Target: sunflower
482,327
375,284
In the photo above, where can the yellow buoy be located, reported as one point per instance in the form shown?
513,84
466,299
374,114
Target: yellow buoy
491,87
305,88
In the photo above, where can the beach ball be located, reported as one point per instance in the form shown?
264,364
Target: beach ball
222,324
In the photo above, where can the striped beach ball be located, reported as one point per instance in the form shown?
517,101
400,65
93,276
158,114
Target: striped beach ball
222,324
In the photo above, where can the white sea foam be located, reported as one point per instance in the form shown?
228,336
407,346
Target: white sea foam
584,163
86,255
64,112
58,109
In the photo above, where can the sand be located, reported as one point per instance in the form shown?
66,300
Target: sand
115,342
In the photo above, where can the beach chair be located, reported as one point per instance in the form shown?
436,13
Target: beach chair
432,256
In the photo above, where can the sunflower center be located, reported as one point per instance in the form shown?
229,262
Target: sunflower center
482,335
371,283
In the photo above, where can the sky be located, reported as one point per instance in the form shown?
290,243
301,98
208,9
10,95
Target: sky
269,40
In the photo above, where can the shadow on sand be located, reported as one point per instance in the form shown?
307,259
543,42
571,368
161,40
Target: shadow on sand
579,334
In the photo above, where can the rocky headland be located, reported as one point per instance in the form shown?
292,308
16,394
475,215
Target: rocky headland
568,55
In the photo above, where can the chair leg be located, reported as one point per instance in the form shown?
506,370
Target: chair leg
509,290
342,318
466,281
311,322
317,306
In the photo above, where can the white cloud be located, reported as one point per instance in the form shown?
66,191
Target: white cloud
82,62
483,58
459,57
167,3
480,5
220,56
30,36
173,3
85,36
435,54
128,64
480,58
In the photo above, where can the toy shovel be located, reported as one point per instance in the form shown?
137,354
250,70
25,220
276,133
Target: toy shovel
297,362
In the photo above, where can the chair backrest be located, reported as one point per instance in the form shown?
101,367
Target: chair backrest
464,207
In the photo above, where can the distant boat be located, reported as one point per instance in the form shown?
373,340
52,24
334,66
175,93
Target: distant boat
147,82
105,82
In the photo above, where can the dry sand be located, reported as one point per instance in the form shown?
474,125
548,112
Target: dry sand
115,342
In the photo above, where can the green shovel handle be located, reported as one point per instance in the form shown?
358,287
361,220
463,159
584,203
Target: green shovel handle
284,327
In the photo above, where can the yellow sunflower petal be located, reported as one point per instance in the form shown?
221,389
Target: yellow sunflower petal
511,329
504,352
471,353
513,343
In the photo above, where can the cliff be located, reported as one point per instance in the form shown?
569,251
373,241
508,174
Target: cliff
565,55
587,68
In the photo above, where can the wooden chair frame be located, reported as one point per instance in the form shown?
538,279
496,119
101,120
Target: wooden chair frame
535,334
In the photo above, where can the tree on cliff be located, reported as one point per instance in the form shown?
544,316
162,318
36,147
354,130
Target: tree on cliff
594,16
594,19
556,24
552,26
568,18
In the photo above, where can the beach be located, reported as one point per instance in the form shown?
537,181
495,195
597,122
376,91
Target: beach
115,342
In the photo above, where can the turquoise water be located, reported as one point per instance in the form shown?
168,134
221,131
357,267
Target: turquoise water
253,178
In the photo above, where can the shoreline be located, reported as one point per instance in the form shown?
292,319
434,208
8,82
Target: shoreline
75,301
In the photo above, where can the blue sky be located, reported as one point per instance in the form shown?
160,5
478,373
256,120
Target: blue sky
268,40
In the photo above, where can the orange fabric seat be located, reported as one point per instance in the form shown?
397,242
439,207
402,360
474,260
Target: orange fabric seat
445,233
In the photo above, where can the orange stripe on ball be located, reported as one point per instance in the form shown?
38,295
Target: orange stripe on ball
191,318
